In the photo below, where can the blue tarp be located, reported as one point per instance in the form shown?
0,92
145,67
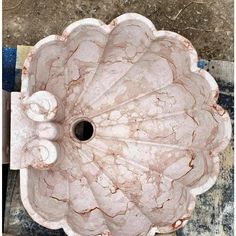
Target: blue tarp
8,68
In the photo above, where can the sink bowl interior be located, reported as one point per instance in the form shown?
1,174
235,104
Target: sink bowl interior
126,135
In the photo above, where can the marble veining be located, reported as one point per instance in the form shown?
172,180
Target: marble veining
157,129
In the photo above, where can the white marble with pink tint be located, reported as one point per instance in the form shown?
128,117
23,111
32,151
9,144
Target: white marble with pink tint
157,129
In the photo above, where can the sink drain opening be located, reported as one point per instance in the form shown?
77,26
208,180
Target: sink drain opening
83,130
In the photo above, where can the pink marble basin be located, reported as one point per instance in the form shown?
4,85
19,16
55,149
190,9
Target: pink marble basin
116,129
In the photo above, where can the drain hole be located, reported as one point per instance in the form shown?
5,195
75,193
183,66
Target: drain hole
83,130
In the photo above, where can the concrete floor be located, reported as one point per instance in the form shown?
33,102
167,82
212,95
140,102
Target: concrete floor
208,24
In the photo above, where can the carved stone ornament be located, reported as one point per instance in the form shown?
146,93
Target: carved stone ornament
116,129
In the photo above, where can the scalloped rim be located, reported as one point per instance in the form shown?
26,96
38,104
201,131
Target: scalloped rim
193,57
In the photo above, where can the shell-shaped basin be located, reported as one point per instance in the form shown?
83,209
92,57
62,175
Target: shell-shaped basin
116,129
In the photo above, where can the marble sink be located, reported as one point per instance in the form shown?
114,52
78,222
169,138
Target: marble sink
116,130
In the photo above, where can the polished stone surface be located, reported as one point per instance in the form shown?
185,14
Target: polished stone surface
155,45
208,26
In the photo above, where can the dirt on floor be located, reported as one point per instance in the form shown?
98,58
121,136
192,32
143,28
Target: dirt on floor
208,24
